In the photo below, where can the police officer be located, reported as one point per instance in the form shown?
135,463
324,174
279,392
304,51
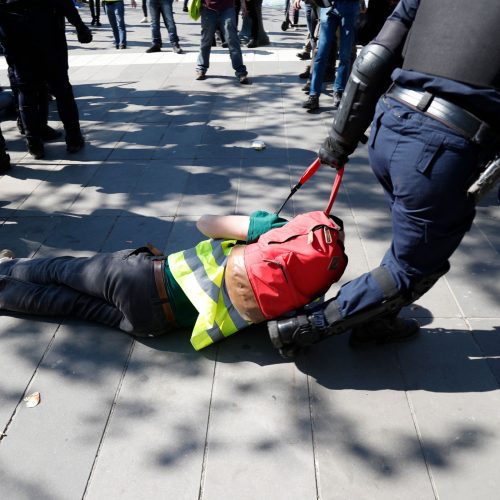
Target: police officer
33,36
433,129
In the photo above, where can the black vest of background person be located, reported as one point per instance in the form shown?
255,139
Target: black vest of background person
458,40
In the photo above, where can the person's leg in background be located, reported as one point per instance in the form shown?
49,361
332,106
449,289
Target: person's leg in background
348,12
92,12
144,12
95,12
120,20
228,23
168,19
111,13
209,23
28,100
154,16
254,18
15,94
328,26
62,90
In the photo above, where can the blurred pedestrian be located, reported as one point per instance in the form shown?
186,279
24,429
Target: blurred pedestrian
163,8
115,10
342,15
144,20
95,12
34,40
220,14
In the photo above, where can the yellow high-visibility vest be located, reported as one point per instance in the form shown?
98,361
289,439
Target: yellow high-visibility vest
199,271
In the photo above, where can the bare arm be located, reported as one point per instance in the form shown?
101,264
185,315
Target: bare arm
224,226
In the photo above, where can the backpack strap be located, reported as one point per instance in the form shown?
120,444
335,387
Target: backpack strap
335,190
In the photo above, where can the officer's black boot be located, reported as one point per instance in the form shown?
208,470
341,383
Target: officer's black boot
292,334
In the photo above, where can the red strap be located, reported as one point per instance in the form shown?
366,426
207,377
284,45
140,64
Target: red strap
335,190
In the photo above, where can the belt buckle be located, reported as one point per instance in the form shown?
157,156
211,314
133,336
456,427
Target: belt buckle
425,101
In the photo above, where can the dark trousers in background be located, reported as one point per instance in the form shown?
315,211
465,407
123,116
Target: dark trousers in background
164,9
95,9
116,18
31,87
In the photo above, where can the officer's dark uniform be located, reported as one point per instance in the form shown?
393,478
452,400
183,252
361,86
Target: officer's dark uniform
424,165
33,36
432,131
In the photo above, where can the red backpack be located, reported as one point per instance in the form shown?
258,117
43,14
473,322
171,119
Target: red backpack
290,266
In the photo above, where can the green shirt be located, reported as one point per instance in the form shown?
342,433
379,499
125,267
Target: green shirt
185,313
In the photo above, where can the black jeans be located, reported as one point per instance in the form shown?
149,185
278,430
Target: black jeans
95,9
117,289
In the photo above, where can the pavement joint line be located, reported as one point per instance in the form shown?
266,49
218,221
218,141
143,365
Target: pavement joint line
313,439
418,432
207,433
4,433
110,414
107,59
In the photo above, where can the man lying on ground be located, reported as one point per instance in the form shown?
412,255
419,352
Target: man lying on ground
252,269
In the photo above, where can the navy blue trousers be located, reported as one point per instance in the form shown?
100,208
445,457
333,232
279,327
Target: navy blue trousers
425,169
117,289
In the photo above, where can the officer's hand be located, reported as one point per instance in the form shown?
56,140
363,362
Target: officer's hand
84,35
333,153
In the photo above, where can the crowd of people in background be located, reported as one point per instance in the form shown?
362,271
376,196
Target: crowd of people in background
39,72
334,32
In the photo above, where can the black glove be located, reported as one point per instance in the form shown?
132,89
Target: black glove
84,34
334,153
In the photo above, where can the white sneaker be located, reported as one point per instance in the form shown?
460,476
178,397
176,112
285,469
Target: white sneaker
6,255
144,20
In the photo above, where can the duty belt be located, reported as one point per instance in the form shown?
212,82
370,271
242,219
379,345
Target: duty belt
162,291
451,115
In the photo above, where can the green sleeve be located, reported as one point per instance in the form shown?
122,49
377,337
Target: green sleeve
261,222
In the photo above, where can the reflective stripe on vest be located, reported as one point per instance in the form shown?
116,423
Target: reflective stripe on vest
199,271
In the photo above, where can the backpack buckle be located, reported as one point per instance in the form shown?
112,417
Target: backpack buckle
328,235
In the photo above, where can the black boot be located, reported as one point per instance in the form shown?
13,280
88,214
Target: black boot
74,144
290,335
293,334
306,74
35,148
311,103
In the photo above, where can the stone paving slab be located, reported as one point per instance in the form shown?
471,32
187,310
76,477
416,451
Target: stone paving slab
124,418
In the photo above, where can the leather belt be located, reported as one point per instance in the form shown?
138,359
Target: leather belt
162,291
451,115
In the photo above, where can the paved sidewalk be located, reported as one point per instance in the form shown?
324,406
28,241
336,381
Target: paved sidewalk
153,419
